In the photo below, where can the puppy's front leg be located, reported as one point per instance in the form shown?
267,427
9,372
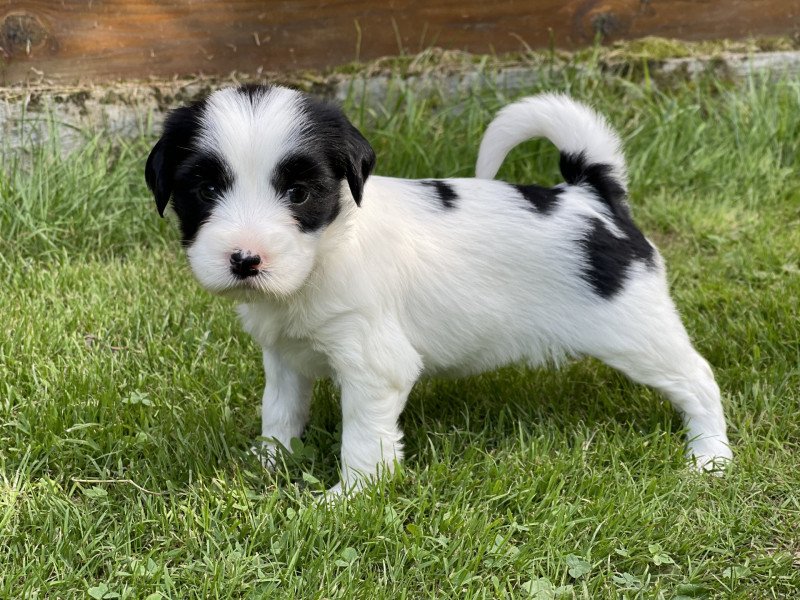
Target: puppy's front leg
371,437
284,406
375,378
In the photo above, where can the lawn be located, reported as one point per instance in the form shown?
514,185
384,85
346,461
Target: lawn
129,397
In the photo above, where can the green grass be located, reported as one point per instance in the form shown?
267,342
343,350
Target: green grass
128,397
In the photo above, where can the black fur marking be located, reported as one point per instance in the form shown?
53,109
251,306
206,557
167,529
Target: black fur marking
313,174
253,90
445,192
335,140
176,169
191,203
609,257
542,200
175,145
334,150
576,171
315,170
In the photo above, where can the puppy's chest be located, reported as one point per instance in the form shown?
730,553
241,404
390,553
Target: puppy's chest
289,333
301,355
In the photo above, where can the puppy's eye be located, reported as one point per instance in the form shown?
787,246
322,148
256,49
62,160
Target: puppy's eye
297,194
208,192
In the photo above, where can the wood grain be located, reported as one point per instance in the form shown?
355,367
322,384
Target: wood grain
91,40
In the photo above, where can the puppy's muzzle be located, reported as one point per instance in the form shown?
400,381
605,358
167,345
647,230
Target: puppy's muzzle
244,265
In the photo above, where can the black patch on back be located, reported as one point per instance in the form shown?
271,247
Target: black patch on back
608,256
542,200
444,191
577,171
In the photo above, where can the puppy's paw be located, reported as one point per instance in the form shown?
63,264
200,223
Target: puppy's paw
266,450
335,493
339,493
709,455
264,455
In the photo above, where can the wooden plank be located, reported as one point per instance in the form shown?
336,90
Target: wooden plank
91,40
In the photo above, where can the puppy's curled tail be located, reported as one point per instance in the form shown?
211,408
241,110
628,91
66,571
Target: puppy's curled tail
591,151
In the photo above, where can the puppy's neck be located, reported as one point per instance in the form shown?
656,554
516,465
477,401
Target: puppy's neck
336,235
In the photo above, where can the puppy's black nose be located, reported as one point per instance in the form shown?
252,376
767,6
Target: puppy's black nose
244,265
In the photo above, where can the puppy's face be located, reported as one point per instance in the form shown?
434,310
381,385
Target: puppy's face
255,175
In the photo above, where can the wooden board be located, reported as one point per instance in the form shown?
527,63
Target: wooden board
94,40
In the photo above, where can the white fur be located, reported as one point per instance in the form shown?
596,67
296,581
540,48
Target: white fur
572,127
251,138
400,287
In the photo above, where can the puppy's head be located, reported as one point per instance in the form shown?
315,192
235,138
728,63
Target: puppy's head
255,175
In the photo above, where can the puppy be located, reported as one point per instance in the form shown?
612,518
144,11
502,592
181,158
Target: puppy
373,281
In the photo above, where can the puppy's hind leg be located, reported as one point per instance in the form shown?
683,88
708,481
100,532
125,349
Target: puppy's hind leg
651,346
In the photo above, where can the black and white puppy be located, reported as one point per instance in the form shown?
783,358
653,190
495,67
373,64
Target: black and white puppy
373,281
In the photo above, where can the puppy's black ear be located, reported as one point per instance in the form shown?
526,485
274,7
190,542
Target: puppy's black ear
159,172
175,144
359,160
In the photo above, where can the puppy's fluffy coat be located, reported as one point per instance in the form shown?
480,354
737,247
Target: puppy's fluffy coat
374,280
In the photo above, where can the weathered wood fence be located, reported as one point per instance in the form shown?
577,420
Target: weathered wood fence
91,40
